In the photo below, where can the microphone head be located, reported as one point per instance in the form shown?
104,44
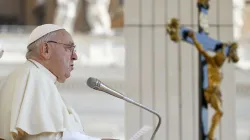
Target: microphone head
93,83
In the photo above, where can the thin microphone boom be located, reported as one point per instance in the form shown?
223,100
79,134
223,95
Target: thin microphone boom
98,85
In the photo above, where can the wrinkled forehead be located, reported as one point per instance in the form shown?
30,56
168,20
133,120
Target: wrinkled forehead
64,37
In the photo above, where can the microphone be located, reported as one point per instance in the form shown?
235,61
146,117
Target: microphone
98,85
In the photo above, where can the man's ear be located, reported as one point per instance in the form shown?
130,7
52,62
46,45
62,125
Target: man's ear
45,51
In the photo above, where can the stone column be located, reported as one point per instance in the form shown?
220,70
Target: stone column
164,75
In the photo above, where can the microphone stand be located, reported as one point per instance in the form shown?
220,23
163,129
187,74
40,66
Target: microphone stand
98,85
151,111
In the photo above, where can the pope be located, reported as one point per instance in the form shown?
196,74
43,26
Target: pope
31,107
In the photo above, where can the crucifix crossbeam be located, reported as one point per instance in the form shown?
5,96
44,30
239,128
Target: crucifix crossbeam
208,43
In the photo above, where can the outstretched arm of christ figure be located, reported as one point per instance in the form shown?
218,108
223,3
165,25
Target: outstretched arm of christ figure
200,48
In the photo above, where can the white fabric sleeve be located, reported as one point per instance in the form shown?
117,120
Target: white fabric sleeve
77,136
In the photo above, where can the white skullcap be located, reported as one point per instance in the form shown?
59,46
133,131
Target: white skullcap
42,30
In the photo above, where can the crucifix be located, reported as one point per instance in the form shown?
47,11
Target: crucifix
210,76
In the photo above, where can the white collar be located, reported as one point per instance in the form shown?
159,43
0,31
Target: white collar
45,70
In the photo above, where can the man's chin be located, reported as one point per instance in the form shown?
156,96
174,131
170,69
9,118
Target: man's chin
61,80
66,76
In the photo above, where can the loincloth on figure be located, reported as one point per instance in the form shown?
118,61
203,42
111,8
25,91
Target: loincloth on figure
213,91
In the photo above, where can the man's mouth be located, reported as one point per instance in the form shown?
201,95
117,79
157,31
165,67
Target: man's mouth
72,66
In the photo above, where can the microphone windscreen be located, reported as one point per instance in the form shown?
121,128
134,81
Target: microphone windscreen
92,82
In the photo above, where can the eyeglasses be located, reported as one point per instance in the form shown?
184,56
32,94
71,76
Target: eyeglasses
69,47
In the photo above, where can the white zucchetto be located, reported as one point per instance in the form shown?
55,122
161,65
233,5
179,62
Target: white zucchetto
42,30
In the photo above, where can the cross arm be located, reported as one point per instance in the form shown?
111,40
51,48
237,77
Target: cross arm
179,33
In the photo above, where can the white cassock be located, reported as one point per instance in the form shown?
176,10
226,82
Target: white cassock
30,101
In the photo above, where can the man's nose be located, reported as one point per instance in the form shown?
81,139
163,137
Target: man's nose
74,56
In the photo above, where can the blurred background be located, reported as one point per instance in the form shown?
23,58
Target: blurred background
97,29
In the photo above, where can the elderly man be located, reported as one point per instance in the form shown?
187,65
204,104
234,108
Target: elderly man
31,108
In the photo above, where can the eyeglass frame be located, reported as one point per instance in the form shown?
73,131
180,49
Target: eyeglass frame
69,46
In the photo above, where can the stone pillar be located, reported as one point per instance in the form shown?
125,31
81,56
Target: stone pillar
164,75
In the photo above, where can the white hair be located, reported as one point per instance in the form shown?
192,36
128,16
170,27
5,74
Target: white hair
33,48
